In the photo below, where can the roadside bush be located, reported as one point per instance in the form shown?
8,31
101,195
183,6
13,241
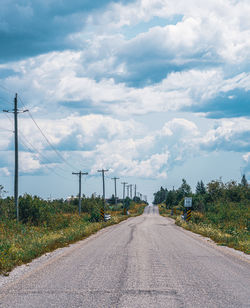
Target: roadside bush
7,208
95,214
34,210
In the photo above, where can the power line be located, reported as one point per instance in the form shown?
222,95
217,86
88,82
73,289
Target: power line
41,154
35,151
57,152
5,129
9,119
49,143
5,101
47,140
6,89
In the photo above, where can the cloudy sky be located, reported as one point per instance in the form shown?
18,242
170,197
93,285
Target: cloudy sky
153,90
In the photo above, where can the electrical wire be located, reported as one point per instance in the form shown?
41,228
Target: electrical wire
6,89
5,101
11,121
47,140
49,143
38,152
5,129
32,151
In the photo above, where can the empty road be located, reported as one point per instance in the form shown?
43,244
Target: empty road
146,261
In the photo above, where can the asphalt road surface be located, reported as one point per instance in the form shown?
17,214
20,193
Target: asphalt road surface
145,261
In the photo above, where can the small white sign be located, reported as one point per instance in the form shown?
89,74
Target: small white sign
188,202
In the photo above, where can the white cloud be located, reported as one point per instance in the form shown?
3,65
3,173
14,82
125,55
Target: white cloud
152,156
231,135
180,127
5,139
29,162
214,29
78,131
4,171
82,97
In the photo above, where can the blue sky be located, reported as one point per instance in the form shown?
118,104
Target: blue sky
154,91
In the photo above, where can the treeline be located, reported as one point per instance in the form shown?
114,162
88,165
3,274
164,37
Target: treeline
205,196
37,211
220,210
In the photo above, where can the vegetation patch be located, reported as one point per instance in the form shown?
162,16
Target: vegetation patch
45,226
219,211
227,235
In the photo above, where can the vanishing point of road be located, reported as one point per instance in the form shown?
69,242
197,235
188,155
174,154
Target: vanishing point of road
146,261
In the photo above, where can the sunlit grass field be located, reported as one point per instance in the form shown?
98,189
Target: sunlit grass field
226,224
20,243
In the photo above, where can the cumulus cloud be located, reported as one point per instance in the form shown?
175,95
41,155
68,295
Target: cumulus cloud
4,171
98,141
28,28
229,135
150,157
30,162
209,35
78,132
86,69
52,81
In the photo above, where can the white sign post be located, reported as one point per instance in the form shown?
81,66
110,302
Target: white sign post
188,202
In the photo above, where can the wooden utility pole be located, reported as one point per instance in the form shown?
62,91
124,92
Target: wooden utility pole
15,112
123,197
103,186
80,173
131,191
127,190
115,179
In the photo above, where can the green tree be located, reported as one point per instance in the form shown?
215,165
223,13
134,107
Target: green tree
2,191
160,196
215,190
170,198
185,189
200,188
244,181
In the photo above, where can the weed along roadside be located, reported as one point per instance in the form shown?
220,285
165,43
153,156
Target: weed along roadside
217,210
231,234
45,226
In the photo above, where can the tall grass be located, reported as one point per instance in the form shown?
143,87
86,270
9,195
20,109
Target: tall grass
22,242
227,224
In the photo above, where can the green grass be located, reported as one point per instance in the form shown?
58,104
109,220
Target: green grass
226,224
20,243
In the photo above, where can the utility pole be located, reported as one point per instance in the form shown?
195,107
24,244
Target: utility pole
124,184
127,190
80,173
131,186
15,112
115,179
103,186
